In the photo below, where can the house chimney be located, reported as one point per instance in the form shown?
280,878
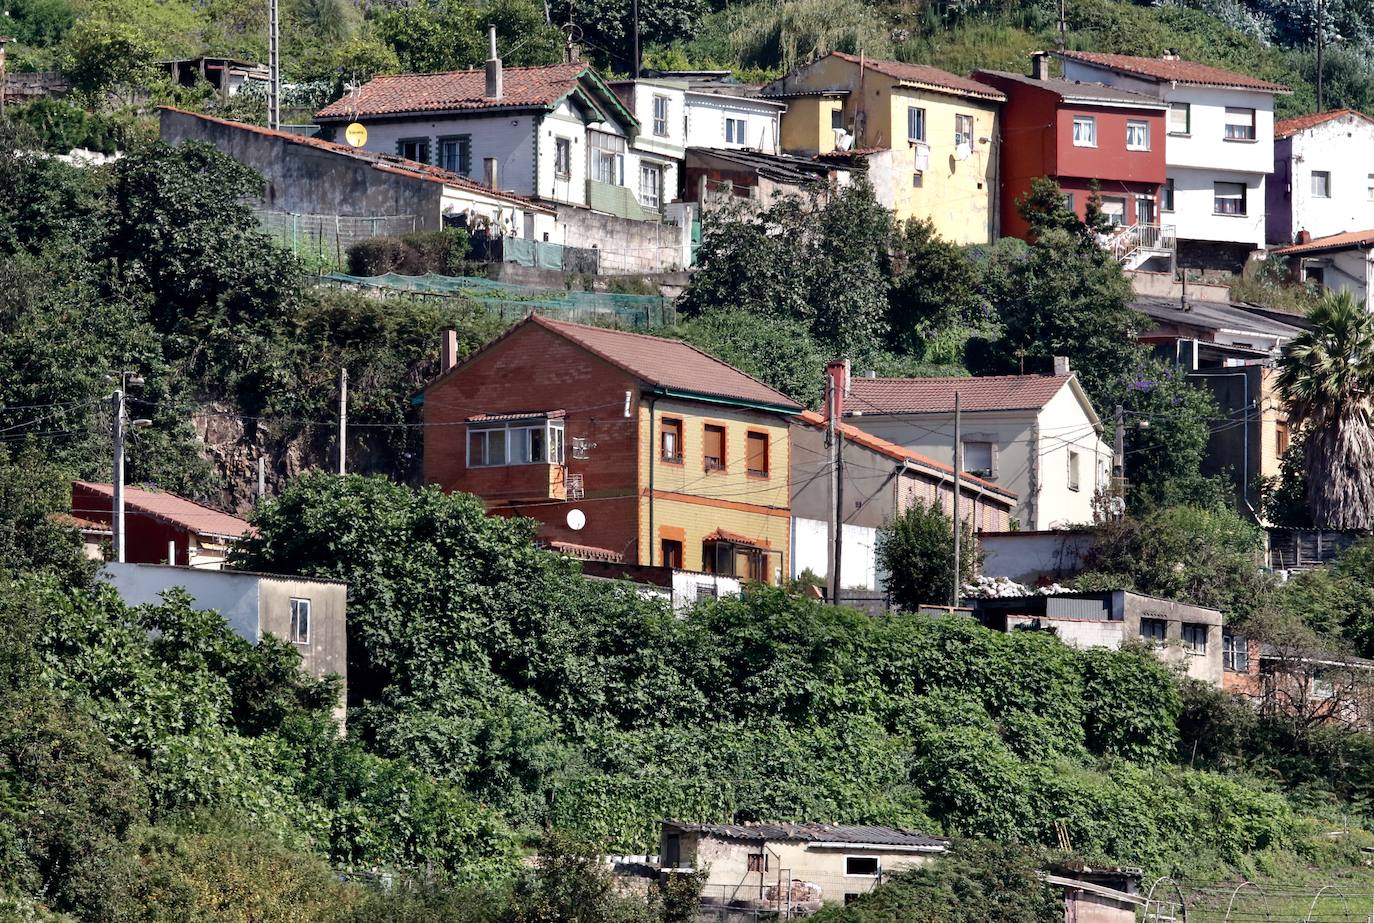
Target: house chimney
448,350
1170,54
838,373
1040,65
1304,236
1061,365
493,66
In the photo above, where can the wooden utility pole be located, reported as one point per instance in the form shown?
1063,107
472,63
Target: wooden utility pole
1321,49
832,443
117,514
343,421
273,66
958,526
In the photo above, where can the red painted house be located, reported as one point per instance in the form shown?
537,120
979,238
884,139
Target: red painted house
1077,133
155,519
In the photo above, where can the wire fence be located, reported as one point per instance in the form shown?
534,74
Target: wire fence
330,236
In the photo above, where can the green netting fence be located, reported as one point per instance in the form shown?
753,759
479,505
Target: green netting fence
510,301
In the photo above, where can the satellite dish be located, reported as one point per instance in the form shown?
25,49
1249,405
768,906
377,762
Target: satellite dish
356,134
843,140
576,520
963,151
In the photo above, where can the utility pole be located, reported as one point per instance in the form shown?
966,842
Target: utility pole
3,79
634,15
262,478
117,519
273,65
958,526
1321,48
839,502
343,421
1063,27
1119,449
832,442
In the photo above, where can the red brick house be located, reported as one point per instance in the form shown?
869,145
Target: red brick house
625,447
153,519
1077,133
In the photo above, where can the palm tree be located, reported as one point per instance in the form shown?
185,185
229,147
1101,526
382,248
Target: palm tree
1326,377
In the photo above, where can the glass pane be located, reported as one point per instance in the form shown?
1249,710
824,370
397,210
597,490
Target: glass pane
978,456
496,447
477,448
537,441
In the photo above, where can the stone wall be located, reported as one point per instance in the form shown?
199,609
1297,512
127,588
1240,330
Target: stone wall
625,246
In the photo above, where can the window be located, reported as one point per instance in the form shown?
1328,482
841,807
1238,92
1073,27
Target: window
455,154
1154,630
978,458
713,447
562,158
861,865
918,179
1180,118
1369,187
608,158
1074,482
736,131
1069,201
916,123
300,621
1281,438
758,862
672,553
1114,210
1235,653
1240,124
670,440
1137,136
661,116
651,186
1194,638
1144,210
413,149
1228,198
1084,131
837,120
1166,195
757,460
1321,184
519,442
963,130
672,851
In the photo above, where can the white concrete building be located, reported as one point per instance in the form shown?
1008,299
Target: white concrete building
1219,148
1339,263
1036,436
1323,180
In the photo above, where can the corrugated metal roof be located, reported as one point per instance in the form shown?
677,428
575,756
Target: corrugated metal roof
809,832
1217,315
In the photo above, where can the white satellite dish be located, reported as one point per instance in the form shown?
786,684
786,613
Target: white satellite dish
576,520
963,151
843,140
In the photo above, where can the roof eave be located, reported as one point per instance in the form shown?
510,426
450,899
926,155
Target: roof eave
663,391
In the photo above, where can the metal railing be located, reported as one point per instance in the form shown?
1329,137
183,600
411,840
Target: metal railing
1126,241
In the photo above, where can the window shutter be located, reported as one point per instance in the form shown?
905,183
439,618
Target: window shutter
758,453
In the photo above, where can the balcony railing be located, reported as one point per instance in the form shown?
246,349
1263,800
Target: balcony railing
1128,240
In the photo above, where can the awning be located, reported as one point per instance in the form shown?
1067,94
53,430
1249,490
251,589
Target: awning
521,415
733,538
587,552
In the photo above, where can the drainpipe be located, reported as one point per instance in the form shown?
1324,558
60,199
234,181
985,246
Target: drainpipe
653,399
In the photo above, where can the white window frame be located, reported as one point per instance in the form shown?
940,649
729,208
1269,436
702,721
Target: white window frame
1075,471
651,197
660,116
736,130
963,129
1325,175
1218,196
1369,187
1137,135
554,439
297,605
607,153
1245,122
1110,215
915,123
1187,110
1235,653
877,867
1087,136
562,157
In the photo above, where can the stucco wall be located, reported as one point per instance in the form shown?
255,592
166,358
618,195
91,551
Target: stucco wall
707,112
858,555
626,245
1026,557
566,124
508,137
1065,429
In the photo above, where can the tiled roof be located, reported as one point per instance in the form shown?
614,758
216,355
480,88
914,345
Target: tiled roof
527,415
1333,242
1173,70
817,833
1287,128
668,364
873,396
77,522
587,552
1078,91
899,453
397,93
928,76
170,508
385,162
734,538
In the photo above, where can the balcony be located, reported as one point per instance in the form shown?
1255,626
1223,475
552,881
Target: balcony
618,201
1135,245
518,483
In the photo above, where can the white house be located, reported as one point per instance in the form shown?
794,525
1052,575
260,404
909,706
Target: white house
1218,151
1338,263
1037,436
1323,180
660,106
723,114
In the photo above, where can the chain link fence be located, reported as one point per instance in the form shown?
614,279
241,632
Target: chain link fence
328,237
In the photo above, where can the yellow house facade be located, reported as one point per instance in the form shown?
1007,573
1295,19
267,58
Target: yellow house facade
716,493
929,138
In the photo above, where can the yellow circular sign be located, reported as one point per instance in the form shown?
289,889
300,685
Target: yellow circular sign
356,134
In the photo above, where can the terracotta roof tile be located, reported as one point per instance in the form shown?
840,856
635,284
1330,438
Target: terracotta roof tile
873,396
1333,242
587,552
928,76
455,90
385,162
1287,128
1187,72
1078,91
170,508
734,538
817,833
899,453
669,363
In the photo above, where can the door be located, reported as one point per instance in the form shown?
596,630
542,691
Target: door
1145,210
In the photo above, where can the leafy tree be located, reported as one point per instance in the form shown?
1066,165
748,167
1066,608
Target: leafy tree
1132,705
1325,377
779,352
32,490
917,554
607,26
936,300
1044,208
104,57
440,35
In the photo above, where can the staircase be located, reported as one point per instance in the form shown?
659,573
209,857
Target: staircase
1134,245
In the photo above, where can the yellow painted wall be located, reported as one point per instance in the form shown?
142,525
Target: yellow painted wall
950,194
748,505
806,124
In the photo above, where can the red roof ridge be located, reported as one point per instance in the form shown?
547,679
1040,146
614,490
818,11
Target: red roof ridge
903,70
893,450
1175,69
1331,240
1286,128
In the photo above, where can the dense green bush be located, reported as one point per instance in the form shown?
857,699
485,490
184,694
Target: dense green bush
442,252
916,552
